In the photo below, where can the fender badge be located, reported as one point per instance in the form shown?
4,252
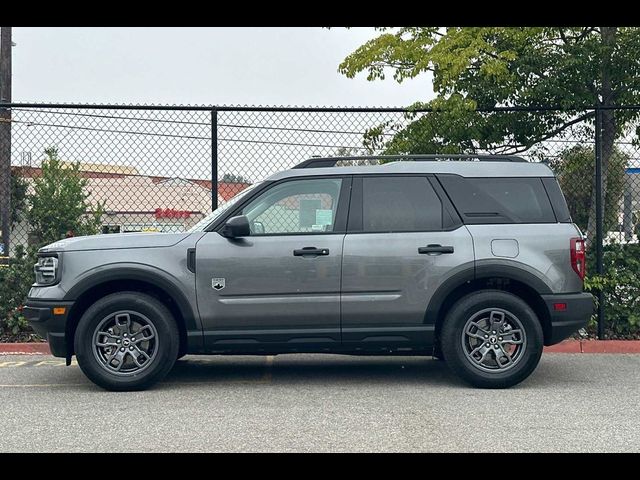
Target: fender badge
217,283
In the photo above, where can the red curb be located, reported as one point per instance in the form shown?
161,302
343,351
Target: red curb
611,346
566,346
595,346
35,348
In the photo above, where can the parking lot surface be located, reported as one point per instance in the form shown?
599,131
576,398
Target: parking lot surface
585,403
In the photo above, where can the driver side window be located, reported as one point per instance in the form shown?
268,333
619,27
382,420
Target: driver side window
298,206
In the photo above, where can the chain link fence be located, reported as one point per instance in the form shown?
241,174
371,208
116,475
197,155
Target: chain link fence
160,168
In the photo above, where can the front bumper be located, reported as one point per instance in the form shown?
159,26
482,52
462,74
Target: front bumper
40,316
577,310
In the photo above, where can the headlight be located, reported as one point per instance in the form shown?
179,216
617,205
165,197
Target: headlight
46,270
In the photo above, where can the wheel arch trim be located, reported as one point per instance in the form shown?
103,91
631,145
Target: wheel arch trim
483,270
141,273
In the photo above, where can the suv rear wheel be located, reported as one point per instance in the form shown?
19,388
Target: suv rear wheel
492,339
126,341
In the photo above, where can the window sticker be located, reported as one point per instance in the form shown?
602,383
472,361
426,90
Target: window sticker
324,217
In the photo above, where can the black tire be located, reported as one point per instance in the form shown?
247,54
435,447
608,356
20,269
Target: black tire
166,348
452,342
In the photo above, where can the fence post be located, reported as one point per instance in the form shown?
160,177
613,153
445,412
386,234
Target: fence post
599,219
214,159
5,138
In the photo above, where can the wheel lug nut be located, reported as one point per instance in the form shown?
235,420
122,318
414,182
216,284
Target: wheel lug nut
126,334
117,341
122,349
496,347
500,338
130,348
494,332
488,344
486,336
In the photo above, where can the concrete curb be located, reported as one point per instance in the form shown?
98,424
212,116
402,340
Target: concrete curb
567,346
31,348
595,346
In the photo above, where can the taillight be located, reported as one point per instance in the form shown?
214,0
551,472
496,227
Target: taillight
578,257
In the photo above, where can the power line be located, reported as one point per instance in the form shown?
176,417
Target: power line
185,122
114,117
186,137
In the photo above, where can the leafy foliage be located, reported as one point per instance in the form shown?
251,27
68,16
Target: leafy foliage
58,205
16,279
521,66
621,287
479,68
574,169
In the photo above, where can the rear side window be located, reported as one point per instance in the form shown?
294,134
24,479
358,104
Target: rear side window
400,204
499,200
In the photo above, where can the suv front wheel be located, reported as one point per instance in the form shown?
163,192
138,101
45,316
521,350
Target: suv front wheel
492,339
126,341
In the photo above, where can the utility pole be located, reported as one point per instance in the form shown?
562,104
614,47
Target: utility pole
5,137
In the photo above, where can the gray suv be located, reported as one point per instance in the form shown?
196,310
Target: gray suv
472,259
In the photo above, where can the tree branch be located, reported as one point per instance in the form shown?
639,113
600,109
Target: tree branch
519,148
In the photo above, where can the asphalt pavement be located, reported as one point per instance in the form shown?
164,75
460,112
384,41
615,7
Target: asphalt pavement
301,403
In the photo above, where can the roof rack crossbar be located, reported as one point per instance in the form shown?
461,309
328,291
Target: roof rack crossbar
320,162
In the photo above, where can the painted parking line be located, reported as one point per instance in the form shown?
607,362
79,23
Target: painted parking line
40,385
35,363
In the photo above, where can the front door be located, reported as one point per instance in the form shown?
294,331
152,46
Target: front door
279,288
403,242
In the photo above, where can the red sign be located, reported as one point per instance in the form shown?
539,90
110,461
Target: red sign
171,213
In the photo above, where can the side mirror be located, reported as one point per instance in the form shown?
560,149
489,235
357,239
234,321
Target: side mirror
236,227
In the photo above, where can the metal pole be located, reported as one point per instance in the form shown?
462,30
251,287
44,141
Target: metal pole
214,159
599,219
5,137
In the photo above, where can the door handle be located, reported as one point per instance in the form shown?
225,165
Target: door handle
435,249
310,252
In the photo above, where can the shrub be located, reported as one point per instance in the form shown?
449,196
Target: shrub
621,287
16,279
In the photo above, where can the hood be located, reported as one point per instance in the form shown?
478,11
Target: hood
116,240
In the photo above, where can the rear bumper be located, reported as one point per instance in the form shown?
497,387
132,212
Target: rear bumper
578,308
52,327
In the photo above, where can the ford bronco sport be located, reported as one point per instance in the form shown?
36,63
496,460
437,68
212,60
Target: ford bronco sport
473,259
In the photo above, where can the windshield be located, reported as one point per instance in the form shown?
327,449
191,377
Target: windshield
224,206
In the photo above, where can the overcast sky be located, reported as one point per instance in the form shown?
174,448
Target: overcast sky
268,66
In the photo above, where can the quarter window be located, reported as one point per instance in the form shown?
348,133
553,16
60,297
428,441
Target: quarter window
499,200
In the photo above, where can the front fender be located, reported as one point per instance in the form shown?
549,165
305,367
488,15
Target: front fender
173,287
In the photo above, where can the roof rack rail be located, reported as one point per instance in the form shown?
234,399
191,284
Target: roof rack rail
320,162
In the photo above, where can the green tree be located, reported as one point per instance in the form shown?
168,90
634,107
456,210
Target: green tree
234,178
478,68
59,205
574,169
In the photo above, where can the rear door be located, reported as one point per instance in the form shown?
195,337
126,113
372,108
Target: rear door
403,240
